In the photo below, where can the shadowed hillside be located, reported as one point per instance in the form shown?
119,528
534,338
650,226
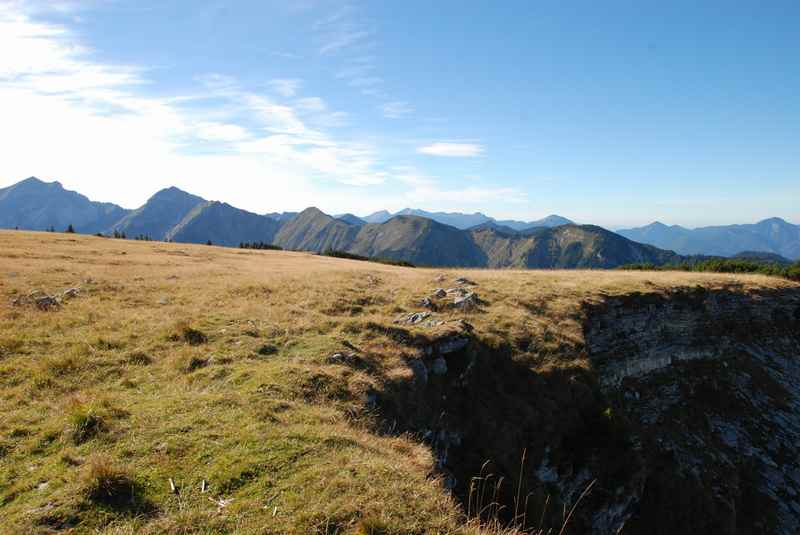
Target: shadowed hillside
35,205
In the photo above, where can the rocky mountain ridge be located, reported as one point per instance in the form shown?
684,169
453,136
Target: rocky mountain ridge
465,221
175,215
473,240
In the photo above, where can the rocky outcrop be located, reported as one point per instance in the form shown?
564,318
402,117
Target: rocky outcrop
634,335
710,383
686,419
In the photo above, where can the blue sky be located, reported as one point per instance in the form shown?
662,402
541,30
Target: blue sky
615,113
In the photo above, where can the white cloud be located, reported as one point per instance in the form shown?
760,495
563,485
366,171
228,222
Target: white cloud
452,150
69,117
286,87
221,132
396,109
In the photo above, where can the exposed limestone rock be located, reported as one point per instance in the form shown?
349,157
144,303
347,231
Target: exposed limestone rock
452,344
70,293
426,302
347,359
710,382
439,366
420,372
47,302
457,292
414,318
467,302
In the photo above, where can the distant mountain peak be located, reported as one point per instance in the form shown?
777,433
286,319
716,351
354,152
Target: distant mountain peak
770,220
350,219
312,210
173,192
33,182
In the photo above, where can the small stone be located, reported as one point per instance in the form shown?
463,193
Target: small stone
457,291
347,359
466,302
439,293
439,366
414,318
47,302
70,293
464,282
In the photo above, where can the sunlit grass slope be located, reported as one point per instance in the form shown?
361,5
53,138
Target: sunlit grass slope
188,389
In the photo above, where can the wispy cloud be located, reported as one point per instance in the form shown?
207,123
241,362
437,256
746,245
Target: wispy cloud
286,87
452,150
425,191
396,109
341,30
94,121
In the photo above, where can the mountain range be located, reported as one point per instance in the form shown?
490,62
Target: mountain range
465,221
423,238
772,235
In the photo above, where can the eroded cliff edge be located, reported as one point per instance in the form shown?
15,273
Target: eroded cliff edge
685,415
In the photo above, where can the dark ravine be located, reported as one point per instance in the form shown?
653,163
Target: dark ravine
687,417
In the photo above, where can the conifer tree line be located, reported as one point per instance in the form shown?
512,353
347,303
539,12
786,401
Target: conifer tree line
259,245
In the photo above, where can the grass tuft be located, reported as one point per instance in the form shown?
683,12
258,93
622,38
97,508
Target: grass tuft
83,423
190,335
138,358
102,480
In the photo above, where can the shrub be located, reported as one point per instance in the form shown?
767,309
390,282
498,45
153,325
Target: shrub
724,265
260,245
350,256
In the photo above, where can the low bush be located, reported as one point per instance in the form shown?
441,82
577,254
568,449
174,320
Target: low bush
379,260
724,265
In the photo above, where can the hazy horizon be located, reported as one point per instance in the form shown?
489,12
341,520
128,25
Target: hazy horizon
608,115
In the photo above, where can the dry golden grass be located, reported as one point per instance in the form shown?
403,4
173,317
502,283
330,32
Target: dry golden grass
207,366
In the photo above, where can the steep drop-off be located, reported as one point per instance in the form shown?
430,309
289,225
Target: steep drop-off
683,408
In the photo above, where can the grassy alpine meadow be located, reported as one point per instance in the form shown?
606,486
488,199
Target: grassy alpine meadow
169,388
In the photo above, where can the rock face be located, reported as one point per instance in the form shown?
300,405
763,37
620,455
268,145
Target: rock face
710,382
686,416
